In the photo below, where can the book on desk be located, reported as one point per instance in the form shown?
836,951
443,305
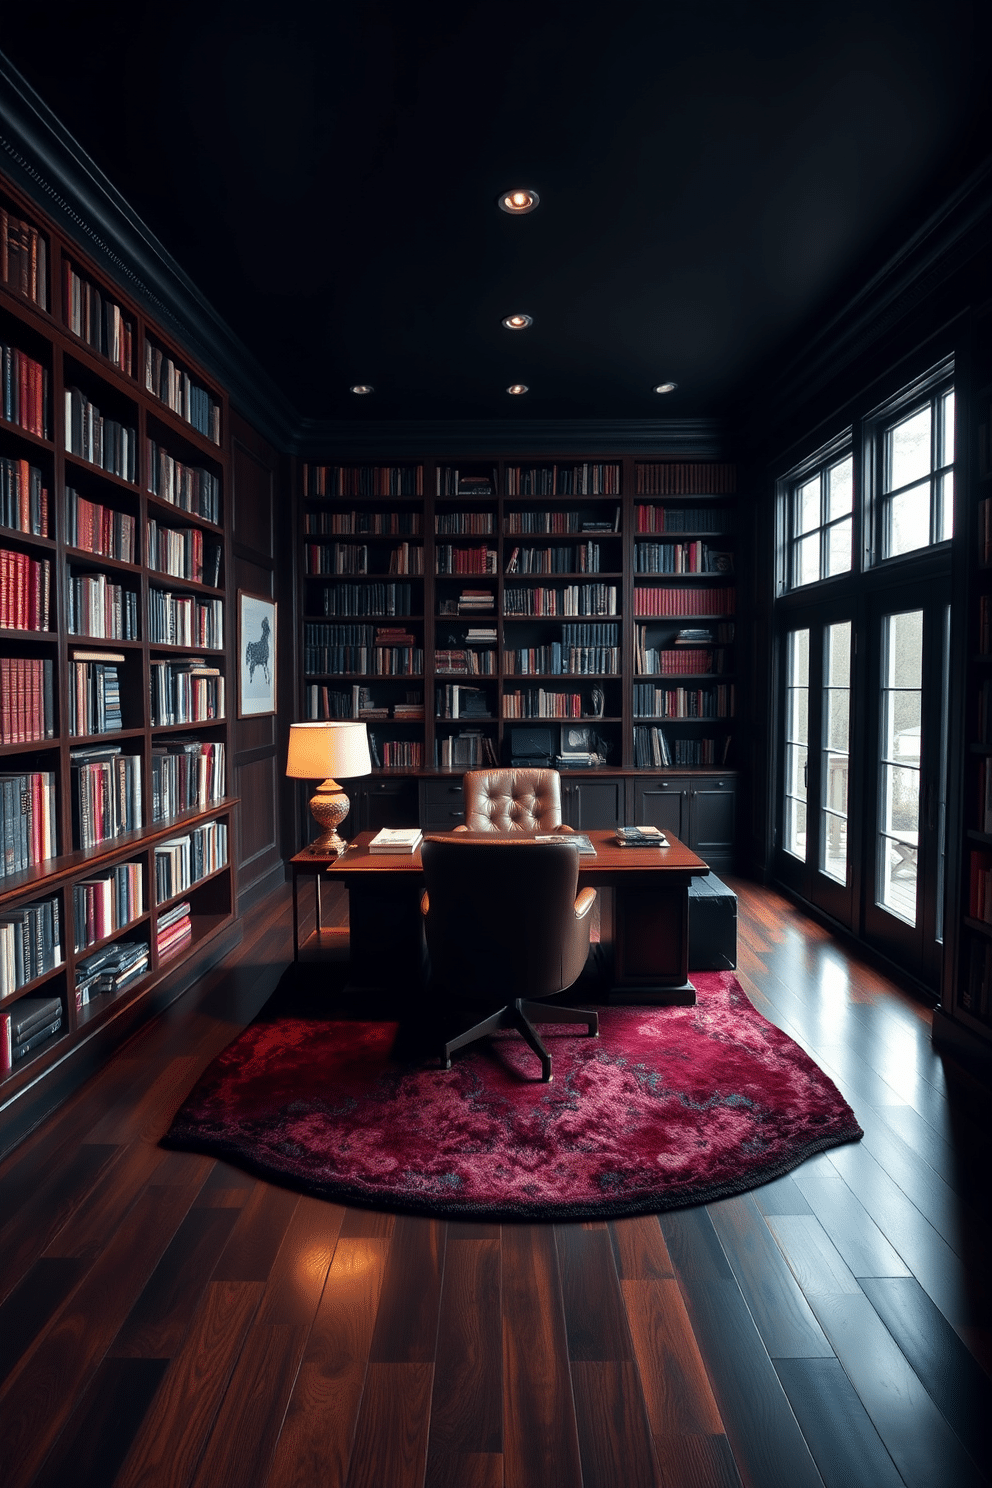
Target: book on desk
396,840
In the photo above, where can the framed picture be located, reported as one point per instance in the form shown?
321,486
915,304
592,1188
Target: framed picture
256,655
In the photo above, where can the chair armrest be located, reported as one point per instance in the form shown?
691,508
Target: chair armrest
584,903
564,828
425,903
460,828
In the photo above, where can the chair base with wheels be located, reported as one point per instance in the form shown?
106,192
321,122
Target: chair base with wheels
518,1015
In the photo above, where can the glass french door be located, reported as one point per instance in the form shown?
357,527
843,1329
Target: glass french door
907,782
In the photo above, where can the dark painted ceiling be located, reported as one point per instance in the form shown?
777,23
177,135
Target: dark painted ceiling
715,177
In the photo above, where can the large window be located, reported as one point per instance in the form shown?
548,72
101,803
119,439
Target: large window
916,476
820,520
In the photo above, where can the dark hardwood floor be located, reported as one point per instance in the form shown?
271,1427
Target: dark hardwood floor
166,1319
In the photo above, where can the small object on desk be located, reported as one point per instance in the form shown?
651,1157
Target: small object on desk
396,840
641,837
582,842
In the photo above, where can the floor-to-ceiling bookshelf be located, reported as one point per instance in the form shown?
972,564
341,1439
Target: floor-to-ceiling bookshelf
115,646
479,612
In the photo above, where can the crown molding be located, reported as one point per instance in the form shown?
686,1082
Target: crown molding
359,438
40,156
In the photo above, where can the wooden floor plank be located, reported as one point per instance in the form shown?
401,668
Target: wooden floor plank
316,1442
98,1435
157,1323
853,1232
409,1307
594,1318
168,1446
42,1216
30,1306
615,1445
677,1390
295,1283
391,1435
923,1447
845,1445
247,1426
781,1313
467,1403
540,1442
639,1249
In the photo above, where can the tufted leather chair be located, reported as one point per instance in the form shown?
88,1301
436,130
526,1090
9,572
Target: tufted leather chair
515,800
505,927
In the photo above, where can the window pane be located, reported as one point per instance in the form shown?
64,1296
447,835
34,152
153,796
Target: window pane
839,547
840,489
908,450
945,455
796,728
904,649
809,560
946,529
899,764
909,520
808,506
835,752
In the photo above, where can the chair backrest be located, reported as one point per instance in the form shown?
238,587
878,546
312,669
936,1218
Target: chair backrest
515,800
501,922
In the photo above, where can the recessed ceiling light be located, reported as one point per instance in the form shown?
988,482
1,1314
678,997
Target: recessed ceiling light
666,387
524,199
361,387
517,322
516,388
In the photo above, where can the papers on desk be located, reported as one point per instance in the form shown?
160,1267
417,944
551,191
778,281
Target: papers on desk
396,840
579,839
641,837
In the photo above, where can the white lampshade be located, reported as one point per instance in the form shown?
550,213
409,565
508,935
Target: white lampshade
321,750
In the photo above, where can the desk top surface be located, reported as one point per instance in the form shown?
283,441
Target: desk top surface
612,860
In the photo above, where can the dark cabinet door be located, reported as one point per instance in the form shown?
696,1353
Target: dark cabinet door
661,803
591,804
711,815
383,803
442,805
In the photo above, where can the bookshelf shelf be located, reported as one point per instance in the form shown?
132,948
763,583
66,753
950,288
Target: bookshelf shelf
91,343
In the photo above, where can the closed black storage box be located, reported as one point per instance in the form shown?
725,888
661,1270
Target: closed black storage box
712,925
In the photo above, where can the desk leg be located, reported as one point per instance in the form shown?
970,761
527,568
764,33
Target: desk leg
651,946
386,933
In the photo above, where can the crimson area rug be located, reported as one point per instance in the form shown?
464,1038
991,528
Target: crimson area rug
668,1107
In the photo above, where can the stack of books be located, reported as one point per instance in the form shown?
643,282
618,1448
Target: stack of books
641,837
110,969
29,1023
173,931
396,840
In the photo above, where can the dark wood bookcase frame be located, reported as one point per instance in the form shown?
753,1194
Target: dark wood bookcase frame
38,1080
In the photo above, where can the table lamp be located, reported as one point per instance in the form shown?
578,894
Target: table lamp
321,751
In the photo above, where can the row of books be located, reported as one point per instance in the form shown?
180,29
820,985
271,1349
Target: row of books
23,497
583,558
463,523
683,702
690,557
27,705
110,970
184,620
456,700
94,693
653,749
369,599
678,478
190,487
679,661
99,529
167,380
465,661
557,523
25,591
466,750
187,774
173,931
711,519
105,442
26,1026
30,943
584,479
451,560
976,989
980,887
363,480
98,606
399,754
569,599
355,650
450,481
539,702
27,819
23,257
183,861
23,391
183,552
107,902
328,702
186,692
362,523
555,659
97,320
708,601
106,794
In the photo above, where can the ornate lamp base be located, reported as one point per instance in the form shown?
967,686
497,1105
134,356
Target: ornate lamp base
329,806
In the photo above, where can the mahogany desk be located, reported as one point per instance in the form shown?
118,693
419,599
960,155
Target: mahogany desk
644,942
